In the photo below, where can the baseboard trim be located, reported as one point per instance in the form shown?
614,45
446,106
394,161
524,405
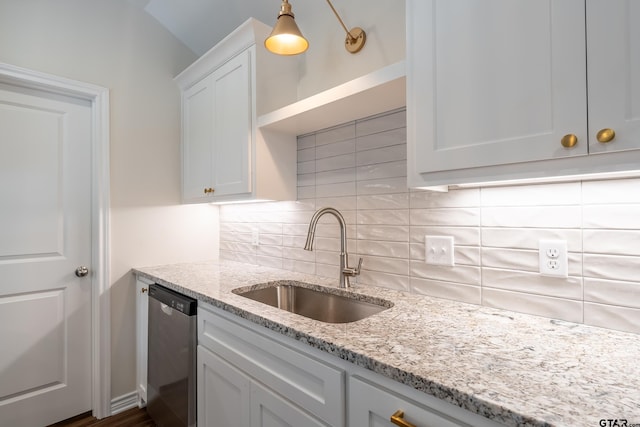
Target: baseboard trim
124,402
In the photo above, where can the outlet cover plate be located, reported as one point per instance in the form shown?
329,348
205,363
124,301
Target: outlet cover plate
553,258
439,250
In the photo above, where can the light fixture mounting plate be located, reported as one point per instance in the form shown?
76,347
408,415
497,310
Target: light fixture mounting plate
355,40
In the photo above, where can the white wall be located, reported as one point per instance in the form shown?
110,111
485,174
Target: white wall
114,45
327,63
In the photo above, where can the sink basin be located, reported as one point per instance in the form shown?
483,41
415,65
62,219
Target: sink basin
324,304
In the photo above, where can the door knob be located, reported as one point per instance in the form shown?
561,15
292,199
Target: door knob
82,271
605,135
569,140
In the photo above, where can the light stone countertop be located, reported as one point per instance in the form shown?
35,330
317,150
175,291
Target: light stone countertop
513,368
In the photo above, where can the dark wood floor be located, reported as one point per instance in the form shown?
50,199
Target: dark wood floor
131,418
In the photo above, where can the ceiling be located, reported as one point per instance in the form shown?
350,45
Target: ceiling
200,24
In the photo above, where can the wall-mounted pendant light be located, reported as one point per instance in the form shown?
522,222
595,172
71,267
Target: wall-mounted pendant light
286,38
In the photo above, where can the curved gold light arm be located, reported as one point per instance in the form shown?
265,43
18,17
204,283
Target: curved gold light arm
356,38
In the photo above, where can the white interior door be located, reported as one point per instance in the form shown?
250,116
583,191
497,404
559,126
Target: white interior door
45,234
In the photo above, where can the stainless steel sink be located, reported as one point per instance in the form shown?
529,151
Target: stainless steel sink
325,304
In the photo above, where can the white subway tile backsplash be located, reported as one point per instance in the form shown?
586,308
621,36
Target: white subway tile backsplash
612,267
612,216
455,291
382,155
612,242
335,149
532,216
306,154
382,186
533,195
556,308
528,238
466,274
383,249
612,292
306,167
612,317
464,217
611,192
306,192
336,176
382,170
307,141
360,169
381,123
306,180
382,139
421,199
383,201
527,282
468,236
336,190
338,162
391,233
384,264
267,261
336,134
384,217
376,278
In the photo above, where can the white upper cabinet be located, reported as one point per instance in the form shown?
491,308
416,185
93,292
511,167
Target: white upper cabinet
613,52
498,90
225,156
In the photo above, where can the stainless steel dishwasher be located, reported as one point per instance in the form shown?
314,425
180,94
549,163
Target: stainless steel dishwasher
171,371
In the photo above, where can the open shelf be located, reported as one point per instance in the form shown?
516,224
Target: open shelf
374,93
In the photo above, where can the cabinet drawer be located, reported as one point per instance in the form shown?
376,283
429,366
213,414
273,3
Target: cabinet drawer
372,405
310,383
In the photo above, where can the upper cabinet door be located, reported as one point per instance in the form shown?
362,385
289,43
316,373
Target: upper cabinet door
494,82
232,124
613,43
197,151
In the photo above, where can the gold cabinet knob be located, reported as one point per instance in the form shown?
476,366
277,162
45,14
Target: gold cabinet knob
208,190
143,290
398,419
605,135
569,140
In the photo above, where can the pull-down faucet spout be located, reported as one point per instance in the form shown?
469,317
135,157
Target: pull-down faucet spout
345,270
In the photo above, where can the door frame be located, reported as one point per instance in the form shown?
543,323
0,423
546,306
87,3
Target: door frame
100,219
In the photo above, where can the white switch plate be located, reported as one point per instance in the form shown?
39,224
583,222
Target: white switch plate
553,258
439,250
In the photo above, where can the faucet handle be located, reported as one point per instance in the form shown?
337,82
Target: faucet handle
350,271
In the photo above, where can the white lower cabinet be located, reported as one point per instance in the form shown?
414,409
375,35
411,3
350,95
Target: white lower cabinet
268,409
142,305
372,404
250,378
224,392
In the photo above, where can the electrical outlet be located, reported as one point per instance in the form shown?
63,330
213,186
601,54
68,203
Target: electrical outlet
255,238
553,258
439,250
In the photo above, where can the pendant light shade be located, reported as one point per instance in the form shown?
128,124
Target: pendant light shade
286,38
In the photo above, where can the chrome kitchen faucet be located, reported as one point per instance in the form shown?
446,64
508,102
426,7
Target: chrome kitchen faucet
345,270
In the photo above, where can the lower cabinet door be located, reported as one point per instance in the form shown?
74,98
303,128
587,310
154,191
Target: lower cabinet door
268,409
370,406
223,393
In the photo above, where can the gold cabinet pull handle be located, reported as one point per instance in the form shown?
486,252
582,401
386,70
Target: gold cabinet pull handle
208,190
569,140
143,290
398,419
605,135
